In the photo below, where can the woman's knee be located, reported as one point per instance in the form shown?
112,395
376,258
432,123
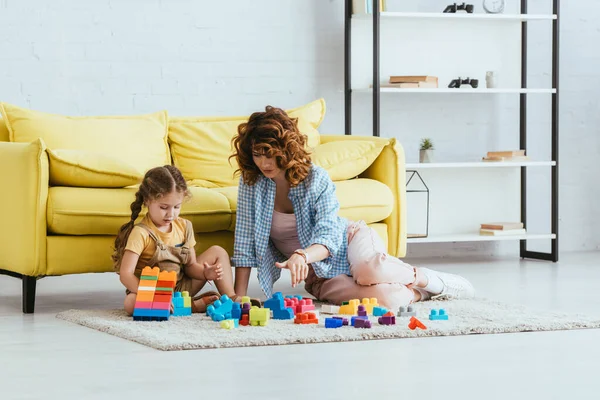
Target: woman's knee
365,272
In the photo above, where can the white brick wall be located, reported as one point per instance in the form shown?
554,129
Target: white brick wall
234,57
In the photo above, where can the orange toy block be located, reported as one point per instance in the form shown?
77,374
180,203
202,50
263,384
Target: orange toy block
306,318
369,304
351,308
168,276
415,323
144,296
149,271
147,283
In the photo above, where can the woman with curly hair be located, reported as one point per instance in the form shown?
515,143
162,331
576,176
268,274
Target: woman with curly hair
287,217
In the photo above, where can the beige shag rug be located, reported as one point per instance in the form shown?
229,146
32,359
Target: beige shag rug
475,316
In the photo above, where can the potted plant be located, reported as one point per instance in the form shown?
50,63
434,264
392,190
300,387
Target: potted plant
426,153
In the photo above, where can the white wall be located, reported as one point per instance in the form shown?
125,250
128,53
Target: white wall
234,57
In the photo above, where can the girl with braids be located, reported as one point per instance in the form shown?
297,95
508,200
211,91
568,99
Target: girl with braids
165,240
287,218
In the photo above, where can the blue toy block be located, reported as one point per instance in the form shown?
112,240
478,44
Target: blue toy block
177,300
333,323
146,314
286,313
379,311
277,305
236,311
440,315
220,309
182,311
297,296
355,318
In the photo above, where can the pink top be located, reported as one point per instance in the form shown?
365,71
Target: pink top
284,233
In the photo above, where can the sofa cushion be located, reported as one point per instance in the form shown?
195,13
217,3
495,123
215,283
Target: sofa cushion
101,211
139,140
4,135
346,160
90,169
201,146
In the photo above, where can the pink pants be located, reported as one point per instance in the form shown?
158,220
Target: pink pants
374,273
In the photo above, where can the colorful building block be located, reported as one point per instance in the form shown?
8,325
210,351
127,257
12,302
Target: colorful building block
277,307
388,319
407,311
435,315
344,320
296,296
350,307
259,316
355,318
236,311
369,304
155,294
246,308
299,305
229,324
220,309
379,311
329,309
245,320
414,323
182,304
333,323
361,311
306,318
362,323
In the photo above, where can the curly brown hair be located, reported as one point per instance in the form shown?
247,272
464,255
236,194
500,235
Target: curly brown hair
274,134
157,182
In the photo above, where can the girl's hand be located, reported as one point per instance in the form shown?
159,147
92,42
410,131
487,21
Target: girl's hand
212,272
172,308
298,268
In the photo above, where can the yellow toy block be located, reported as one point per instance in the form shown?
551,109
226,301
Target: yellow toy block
351,308
245,299
228,324
259,316
369,304
187,300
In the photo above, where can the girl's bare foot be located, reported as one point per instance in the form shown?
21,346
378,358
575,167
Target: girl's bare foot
200,303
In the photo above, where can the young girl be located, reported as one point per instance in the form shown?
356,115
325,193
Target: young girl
165,240
287,217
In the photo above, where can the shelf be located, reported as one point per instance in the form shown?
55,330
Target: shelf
456,91
459,16
475,237
481,164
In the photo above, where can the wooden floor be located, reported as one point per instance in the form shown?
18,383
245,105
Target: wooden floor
46,358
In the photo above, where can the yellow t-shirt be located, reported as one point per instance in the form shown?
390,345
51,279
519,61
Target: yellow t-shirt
142,244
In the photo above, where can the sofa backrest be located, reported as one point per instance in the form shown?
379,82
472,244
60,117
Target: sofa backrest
3,132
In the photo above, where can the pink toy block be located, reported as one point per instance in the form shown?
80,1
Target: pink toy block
161,306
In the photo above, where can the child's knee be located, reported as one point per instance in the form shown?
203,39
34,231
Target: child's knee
218,251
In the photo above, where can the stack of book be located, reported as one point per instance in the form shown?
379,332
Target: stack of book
413,82
507,155
502,229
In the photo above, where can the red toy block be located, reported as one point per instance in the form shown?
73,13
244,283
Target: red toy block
161,306
245,320
415,323
162,298
306,318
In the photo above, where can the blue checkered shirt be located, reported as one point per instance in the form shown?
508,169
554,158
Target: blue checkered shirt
316,208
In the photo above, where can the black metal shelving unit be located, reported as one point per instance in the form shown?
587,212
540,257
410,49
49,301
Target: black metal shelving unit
524,252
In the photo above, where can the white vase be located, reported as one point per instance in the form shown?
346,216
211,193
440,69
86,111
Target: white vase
491,79
426,156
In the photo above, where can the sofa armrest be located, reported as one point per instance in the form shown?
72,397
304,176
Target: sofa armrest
389,168
24,183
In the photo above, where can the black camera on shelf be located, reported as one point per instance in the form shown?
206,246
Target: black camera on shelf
453,8
456,83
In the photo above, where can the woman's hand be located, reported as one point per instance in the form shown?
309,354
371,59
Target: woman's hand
297,266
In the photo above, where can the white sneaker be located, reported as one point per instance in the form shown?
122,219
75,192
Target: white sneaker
455,286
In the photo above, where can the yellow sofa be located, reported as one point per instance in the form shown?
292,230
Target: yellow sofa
60,217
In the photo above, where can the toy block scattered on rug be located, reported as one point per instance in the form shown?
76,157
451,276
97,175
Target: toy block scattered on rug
362,323
246,309
407,311
154,296
236,311
182,304
277,306
388,319
245,320
356,318
299,305
361,311
220,309
306,318
415,323
438,315
259,316
333,323
229,324
349,307
344,320
369,304
329,309
379,311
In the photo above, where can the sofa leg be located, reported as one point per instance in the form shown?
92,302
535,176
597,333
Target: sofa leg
29,283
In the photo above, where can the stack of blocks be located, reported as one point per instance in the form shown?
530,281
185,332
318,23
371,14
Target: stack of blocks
279,308
182,304
299,305
153,299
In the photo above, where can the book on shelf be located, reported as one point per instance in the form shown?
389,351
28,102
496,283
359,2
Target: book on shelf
497,232
502,226
506,155
366,6
413,79
500,159
412,85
